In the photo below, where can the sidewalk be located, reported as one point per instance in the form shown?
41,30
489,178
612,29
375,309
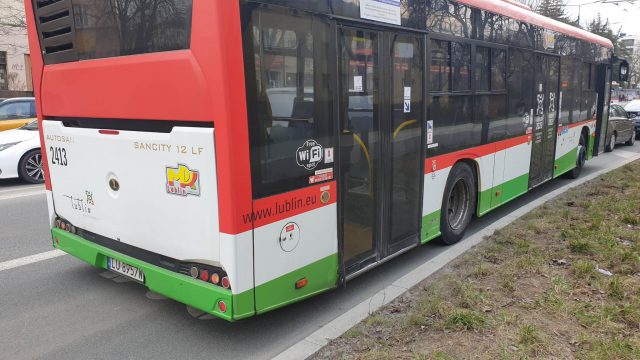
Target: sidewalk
561,282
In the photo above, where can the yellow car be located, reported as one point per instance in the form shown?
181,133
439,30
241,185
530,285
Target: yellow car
17,112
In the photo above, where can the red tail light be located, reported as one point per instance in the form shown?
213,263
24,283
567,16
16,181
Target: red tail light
222,306
204,275
225,282
301,283
109,132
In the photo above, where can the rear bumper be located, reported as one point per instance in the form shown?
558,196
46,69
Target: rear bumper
179,287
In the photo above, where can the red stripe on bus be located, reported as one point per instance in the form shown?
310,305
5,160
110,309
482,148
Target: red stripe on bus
282,206
581,123
225,79
37,66
447,160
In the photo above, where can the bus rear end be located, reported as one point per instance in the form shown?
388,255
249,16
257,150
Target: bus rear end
134,103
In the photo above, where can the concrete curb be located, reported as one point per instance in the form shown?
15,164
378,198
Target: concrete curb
315,341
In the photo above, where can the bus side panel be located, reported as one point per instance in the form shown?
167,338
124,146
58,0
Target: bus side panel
37,66
296,245
503,173
567,146
217,26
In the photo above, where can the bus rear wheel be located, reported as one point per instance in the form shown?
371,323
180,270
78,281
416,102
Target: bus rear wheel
581,160
458,203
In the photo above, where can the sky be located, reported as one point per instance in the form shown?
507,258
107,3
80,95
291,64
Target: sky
623,15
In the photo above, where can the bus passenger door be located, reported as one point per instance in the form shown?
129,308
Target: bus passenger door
359,99
380,97
404,141
545,114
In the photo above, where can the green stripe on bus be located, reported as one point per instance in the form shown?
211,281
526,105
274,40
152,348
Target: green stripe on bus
592,142
565,162
243,305
182,288
503,193
321,275
430,226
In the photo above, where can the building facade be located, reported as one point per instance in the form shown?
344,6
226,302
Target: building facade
15,61
632,44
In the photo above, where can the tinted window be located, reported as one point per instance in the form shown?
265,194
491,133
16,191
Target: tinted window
448,17
498,69
482,68
520,86
461,66
116,28
454,127
567,93
17,110
577,91
492,27
440,68
290,111
492,110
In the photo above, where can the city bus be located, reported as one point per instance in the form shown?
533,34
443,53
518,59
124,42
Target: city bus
239,156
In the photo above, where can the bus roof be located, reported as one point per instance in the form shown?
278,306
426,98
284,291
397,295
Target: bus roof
506,8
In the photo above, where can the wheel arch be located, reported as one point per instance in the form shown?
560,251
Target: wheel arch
473,163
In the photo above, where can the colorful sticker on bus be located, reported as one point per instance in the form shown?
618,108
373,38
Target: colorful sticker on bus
183,181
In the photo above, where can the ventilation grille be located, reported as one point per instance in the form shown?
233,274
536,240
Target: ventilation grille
56,31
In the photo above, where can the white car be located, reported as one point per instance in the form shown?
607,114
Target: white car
20,154
633,109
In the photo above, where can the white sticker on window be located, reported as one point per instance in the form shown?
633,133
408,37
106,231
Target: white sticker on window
429,131
328,155
407,92
357,83
407,106
309,154
386,11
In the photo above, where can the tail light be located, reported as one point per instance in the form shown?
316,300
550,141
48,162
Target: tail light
225,282
215,278
222,306
204,275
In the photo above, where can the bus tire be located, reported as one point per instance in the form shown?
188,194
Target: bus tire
458,203
581,160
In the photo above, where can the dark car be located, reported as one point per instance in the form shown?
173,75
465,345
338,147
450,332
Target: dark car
633,109
621,128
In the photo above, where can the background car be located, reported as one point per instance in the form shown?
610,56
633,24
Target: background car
17,112
633,109
621,128
20,154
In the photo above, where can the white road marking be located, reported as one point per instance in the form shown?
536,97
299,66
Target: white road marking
21,194
12,264
19,188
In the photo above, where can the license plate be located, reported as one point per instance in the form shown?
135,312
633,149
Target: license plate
125,269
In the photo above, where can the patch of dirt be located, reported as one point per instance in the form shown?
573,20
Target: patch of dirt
538,288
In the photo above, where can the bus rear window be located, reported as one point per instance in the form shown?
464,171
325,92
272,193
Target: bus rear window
116,28
102,29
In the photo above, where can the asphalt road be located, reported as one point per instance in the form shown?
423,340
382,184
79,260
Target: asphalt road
62,308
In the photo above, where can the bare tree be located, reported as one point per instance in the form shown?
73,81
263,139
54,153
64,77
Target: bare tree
12,23
634,71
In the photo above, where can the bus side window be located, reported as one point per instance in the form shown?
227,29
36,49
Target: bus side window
288,76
